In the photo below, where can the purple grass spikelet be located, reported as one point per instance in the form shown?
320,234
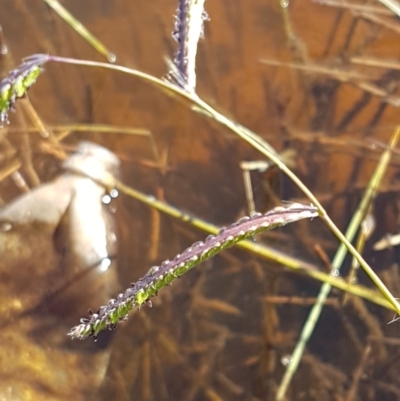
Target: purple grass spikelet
18,81
189,28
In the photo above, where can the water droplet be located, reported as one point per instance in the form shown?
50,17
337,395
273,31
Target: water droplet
286,360
106,199
111,57
335,272
284,3
105,264
114,193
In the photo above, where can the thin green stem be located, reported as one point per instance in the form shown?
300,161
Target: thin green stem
351,231
80,29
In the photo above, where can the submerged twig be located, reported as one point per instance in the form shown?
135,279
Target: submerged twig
374,62
357,376
160,276
98,128
355,7
38,123
352,78
10,169
378,20
246,167
311,68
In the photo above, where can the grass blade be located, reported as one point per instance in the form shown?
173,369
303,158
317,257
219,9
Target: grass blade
336,264
80,29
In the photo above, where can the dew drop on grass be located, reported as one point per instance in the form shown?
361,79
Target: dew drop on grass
104,265
111,57
286,360
284,3
114,193
106,199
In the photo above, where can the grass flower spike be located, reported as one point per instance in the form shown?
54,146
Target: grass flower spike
17,82
158,277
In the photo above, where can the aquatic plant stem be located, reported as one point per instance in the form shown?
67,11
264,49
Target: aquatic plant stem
351,231
254,140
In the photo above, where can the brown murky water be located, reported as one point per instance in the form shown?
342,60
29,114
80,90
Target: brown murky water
224,331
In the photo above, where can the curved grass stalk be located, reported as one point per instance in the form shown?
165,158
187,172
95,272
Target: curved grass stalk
259,144
316,310
251,138
98,128
158,277
260,250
